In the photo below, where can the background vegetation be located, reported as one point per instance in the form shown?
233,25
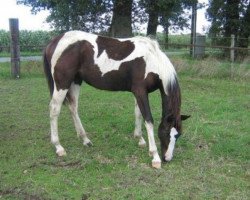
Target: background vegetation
29,40
33,42
211,159
119,17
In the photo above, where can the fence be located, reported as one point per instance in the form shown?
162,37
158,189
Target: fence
204,45
183,46
214,46
14,48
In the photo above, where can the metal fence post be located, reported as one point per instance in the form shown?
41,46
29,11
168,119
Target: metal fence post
232,50
14,47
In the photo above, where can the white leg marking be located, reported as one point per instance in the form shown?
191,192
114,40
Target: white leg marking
138,126
55,107
169,153
156,162
73,106
142,142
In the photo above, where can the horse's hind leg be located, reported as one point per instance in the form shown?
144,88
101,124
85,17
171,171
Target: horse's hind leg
72,97
55,107
138,126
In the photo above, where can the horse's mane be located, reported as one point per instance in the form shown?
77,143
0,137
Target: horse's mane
157,57
168,76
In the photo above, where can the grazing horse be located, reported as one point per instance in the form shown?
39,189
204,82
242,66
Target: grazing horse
134,64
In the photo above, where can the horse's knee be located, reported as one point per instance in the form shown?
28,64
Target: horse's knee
54,109
73,108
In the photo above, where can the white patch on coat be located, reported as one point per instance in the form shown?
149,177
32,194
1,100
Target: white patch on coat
151,140
138,126
169,153
156,61
55,108
69,38
73,106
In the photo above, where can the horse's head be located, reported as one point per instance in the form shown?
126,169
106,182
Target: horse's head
169,131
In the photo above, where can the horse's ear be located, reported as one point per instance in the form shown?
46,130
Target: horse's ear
184,117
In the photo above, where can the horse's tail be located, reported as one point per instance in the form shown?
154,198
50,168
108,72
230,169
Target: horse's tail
47,71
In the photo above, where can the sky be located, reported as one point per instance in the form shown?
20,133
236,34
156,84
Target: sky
28,21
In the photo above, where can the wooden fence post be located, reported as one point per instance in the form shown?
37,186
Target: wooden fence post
14,47
193,29
232,50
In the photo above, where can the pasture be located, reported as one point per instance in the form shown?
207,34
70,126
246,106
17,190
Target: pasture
211,159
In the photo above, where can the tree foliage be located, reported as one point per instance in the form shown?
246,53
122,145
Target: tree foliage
113,15
171,14
88,15
229,17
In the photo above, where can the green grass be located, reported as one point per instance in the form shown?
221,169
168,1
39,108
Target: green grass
211,159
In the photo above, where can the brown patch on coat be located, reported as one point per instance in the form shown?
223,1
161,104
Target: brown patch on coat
67,68
52,46
115,49
77,63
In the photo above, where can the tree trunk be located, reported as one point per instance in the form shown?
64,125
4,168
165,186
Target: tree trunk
121,21
232,18
231,22
153,14
166,37
165,23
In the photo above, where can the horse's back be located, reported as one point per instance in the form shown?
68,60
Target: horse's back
105,63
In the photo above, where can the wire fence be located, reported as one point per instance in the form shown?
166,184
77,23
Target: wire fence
212,46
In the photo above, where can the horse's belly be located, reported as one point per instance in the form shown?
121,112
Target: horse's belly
112,81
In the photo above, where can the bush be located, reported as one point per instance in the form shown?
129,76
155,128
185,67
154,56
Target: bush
29,40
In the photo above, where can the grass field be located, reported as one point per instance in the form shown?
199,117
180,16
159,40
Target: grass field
211,161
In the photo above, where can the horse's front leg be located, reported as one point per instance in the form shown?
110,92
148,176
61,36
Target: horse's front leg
138,124
143,103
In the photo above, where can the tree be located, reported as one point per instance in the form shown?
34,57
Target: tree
228,17
168,13
245,28
87,15
114,16
153,15
121,25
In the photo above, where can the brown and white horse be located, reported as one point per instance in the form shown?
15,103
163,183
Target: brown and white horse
134,64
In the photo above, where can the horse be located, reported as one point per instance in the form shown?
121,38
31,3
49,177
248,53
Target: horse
132,64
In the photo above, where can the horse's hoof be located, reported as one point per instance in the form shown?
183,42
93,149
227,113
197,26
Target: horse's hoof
142,144
88,144
156,165
61,153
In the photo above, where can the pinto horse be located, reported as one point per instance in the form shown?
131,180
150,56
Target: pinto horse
135,64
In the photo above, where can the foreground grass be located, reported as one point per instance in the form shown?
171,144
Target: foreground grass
211,158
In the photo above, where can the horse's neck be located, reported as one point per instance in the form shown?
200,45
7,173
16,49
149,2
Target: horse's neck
166,108
170,107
